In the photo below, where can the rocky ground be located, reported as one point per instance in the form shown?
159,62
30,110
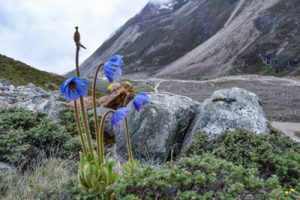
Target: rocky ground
279,96
30,97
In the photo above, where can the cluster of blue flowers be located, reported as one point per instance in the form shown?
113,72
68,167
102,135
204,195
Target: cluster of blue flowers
75,87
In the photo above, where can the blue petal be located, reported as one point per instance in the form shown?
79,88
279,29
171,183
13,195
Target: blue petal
74,94
140,100
118,72
67,93
120,114
116,60
109,72
65,84
81,82
81,90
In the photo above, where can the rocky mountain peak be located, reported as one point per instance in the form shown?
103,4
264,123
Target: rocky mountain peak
206,38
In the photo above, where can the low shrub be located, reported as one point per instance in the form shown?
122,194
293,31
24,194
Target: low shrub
272,154
197,177
67,119
24,134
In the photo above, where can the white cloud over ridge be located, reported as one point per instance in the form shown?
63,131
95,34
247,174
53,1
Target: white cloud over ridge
40,33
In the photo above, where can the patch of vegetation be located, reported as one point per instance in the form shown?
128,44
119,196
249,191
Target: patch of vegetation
197,177
23,134
272,154
67,119
19,73
48,180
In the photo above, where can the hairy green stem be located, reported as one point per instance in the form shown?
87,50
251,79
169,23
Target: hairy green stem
127,98
86,127
99,140
129,149
82,142
101,137
77,60
82,106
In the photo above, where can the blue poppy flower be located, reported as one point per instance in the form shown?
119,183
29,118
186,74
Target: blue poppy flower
119,115
73,88
117,61
140,100
112,68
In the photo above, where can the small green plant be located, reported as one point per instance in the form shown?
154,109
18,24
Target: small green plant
95,178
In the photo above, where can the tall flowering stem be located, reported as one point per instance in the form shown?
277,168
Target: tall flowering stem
82,140
100,141
101,137
128,140
82,104
129,149
128,97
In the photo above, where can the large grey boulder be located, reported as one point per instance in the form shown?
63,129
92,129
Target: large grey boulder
30,97
157,127
228,109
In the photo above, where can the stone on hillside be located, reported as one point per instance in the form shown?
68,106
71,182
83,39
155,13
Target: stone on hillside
229,109
30,97
158,127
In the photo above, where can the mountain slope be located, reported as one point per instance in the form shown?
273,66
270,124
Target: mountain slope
207,38
215,56
160,34
19,73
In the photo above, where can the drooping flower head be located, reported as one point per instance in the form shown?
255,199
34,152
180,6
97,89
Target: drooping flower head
73,88
112,68
109,72
117,61
119,115
140,100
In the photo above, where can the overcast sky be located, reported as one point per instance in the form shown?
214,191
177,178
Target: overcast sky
40,32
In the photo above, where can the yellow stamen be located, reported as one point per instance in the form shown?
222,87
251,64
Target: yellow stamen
286,193
293,190
72,85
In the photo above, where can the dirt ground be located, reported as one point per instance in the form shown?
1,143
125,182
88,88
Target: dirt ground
290,129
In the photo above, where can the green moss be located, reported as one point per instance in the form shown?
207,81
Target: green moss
19,73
